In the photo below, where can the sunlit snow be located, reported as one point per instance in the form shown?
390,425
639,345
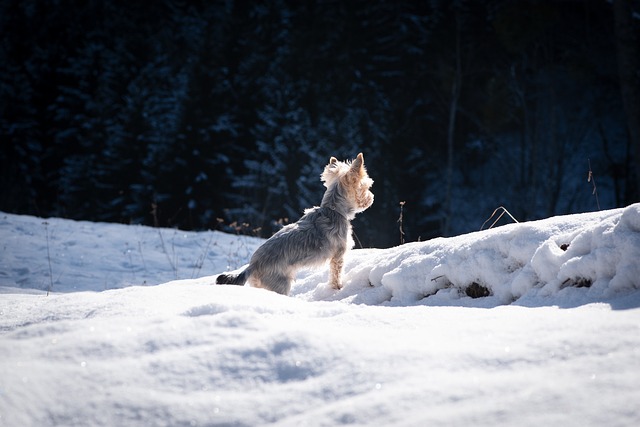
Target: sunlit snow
133,331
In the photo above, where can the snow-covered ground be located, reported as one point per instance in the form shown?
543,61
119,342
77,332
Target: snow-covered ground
134,333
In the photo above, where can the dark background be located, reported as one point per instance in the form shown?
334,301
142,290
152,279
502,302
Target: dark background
222,115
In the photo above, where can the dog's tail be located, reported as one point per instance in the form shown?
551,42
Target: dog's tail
232,279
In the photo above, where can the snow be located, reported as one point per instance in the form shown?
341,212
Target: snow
134,333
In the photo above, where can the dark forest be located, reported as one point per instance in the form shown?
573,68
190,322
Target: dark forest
222,114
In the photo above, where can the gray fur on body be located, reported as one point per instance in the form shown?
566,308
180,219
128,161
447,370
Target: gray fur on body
323,233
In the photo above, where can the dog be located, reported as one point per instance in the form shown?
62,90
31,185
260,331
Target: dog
323,233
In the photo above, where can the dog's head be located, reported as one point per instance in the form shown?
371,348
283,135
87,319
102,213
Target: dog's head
353,181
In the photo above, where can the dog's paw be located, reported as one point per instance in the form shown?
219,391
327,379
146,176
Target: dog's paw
336,285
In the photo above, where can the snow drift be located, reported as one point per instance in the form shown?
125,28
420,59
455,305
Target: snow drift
599,252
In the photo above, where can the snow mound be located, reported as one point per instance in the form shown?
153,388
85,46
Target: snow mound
561,260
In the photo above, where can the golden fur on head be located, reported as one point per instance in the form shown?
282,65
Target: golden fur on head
352,170
348,180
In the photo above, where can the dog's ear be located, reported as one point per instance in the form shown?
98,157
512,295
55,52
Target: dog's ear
357,167
356,171
330,172
358,162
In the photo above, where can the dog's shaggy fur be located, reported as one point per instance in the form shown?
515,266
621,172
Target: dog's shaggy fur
323,233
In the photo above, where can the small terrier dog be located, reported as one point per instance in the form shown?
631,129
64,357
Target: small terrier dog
323,233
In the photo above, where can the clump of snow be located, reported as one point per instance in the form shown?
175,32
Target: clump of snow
555,341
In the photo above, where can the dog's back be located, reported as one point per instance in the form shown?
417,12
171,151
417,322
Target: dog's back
311,241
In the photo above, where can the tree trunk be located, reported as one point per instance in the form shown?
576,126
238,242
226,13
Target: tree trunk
629,74
453,110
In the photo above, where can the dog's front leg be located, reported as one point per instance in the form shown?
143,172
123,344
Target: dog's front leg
335,269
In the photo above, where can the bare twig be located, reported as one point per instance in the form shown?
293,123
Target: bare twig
46,229
164,249
154,213
400,219
592,180
200,262
132,268
144,264
504,210
355,236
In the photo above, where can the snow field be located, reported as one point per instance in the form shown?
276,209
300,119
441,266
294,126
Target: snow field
556,341
185,353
